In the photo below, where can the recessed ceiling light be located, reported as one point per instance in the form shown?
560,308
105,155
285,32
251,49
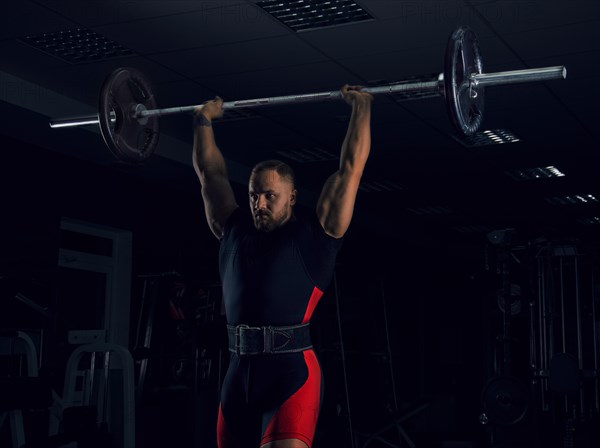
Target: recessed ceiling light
572,199
304,15
535,173
77,45
593,221
489,137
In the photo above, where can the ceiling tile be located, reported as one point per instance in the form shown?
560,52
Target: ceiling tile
581,106
560,40
518,107
19,58
384,37
306,78
510,16
253,55
181,92
385,9
96,13
21,18
197,29
395,66
81,81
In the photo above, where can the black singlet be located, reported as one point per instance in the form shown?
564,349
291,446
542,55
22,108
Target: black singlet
274,278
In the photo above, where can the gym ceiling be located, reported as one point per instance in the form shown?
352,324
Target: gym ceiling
423,183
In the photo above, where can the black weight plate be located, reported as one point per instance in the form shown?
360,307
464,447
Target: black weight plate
128,138
463,58
505,400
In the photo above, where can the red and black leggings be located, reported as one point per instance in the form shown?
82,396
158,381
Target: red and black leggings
269,397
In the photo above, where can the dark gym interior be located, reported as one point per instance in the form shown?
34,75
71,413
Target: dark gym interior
464,308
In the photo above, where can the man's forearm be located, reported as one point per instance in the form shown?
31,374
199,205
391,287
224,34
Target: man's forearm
357,143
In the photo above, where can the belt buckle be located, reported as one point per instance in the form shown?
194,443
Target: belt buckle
240,331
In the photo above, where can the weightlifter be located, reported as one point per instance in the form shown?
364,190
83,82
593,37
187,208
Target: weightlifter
275,263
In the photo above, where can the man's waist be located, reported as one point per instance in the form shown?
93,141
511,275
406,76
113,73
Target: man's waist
265,340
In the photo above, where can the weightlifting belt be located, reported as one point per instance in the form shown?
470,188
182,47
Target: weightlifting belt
246,340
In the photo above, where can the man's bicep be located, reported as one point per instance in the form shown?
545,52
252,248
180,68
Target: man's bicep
219,203
336,204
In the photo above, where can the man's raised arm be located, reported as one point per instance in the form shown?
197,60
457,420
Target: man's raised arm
219,200
336,203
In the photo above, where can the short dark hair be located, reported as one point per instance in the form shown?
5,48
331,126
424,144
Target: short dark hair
281,168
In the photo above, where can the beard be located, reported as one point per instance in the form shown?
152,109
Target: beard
264,221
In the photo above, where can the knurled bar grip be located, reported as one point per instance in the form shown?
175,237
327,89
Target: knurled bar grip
421,87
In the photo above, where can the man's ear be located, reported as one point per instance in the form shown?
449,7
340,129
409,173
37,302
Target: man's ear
293,196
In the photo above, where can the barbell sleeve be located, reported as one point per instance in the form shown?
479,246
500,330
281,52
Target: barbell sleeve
83,120
74,121
518,76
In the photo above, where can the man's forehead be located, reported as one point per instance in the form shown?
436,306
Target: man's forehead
266,179
253,188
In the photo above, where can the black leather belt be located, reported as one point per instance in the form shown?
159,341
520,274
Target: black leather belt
246,340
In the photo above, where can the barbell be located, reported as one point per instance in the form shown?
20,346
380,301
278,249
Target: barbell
128,113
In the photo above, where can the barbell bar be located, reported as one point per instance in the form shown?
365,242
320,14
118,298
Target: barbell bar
418,87
128,114
422,87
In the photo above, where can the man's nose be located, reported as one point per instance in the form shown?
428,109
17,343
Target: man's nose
260,202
